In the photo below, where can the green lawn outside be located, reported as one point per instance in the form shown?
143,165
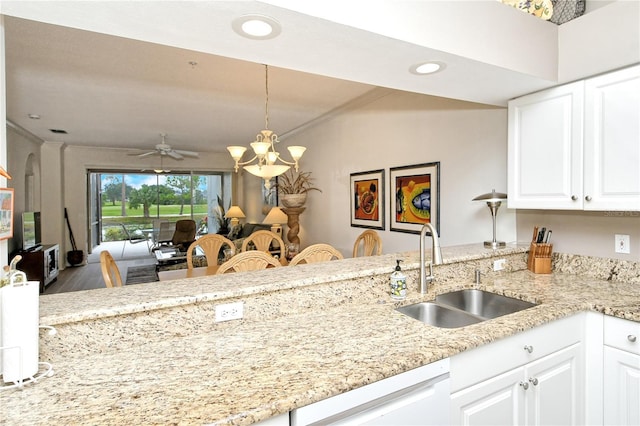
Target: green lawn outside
165,210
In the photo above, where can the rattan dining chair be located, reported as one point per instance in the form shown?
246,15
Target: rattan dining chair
370,242
316,253
251,260
262,240
110,271
211,244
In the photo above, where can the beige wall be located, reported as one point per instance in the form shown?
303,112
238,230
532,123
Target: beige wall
402,129
23,164
586,233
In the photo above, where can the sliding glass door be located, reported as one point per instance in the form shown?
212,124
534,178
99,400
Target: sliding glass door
141,200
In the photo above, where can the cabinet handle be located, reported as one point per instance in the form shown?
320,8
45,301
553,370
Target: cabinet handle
528,348
533,381
574,198
524,385
631,338
588,198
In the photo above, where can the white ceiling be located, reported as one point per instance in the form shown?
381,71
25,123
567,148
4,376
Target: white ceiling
130,79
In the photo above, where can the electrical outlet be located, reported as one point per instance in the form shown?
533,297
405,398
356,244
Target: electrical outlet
623,244
229,311
498,265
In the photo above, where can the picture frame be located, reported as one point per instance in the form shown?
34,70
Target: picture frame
6,213
414,197
367,199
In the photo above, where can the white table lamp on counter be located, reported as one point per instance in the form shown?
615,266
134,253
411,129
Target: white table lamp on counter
494,201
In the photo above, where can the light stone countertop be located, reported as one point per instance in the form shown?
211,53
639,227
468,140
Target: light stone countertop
152,353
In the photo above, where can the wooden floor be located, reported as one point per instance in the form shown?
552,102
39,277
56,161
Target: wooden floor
89,276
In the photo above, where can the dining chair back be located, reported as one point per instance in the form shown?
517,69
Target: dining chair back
316,253
251,260
132,239
110,271
370,242
211,244
263,240
185,234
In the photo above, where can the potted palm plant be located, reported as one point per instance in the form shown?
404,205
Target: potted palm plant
293,188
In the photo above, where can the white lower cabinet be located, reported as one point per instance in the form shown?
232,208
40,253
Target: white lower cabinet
621,372
416,397
533,378
545,392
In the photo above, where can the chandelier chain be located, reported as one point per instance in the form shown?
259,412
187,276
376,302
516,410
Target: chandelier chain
266,91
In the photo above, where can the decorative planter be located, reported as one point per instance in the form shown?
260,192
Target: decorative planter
293,200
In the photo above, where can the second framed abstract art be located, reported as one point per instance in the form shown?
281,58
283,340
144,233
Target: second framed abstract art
416,192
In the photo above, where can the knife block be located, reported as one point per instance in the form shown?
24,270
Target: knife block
539,261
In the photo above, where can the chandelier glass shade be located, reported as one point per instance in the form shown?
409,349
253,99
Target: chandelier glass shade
264,161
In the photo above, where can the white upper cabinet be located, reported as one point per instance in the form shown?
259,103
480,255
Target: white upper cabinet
612,141
577,146
545,149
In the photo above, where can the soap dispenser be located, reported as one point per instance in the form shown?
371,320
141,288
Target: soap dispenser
398,283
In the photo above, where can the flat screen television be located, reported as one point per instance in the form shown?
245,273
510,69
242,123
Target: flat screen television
31,235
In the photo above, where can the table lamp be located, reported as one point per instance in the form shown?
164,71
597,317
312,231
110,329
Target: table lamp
234,213
494,200
275,218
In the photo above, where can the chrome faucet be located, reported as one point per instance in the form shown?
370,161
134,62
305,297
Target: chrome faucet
436,255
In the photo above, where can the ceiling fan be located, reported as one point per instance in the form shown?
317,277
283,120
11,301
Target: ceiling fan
165,149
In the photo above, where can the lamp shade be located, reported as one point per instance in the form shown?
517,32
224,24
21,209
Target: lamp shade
491,196
275,217
234,212
265,171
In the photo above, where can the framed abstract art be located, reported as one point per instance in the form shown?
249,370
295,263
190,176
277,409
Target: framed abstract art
367,199
415,197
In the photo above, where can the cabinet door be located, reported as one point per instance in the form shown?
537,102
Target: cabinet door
612,141
556,395
621,387
496,401
545,149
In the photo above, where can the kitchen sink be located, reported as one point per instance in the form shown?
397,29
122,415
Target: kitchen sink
438,315
482,303
463,307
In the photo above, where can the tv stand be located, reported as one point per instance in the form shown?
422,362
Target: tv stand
41,264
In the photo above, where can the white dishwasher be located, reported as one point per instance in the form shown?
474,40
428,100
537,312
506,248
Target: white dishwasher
417,397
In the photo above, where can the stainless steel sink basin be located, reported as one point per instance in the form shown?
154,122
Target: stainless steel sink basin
463,307
482,303
437,315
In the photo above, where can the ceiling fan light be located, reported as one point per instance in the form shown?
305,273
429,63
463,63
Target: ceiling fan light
296,152
236,152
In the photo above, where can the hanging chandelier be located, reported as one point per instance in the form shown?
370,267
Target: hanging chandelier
264,149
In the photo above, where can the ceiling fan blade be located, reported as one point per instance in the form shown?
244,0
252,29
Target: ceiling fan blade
187,153
146,154
173,154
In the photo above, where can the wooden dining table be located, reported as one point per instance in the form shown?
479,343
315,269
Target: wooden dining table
178,274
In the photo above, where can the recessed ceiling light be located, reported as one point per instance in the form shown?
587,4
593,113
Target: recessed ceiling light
34,116
257,27
427,67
